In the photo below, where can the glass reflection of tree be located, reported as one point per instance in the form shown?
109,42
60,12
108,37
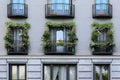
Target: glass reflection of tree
105,72
59,38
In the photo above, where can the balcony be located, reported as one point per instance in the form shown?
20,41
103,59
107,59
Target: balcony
17,10
17,50
59,50
59,10
102,10
106,50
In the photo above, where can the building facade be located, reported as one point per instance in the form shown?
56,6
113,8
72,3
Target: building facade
55,40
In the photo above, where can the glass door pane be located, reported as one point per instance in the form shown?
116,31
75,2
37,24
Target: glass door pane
97,73
22,72
55,73
47,73
72,73
59,40
14,72
63,73
102,7
105,73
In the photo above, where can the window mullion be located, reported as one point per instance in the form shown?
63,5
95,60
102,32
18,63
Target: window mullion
17,72
100,72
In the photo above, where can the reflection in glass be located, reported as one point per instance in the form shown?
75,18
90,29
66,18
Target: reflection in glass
22,72
47,73
14,72
72,73
59,40
102,7
97,72
102,72
102,37
59,36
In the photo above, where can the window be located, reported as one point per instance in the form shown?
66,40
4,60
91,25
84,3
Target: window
60,72
101,72
58,37
102,7
18,7
103,36
17,72
17,39
60,7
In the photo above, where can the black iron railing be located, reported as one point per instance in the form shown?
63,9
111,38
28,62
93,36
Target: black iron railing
59,10
62,50
102,10
17,10
17,49
103,50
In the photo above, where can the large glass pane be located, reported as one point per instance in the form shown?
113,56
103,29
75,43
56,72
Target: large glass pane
59,40
102,37
72,73
18,7
22,72
105,73
97,73
63,73
55,73
102,7
14,72
59,37
47,73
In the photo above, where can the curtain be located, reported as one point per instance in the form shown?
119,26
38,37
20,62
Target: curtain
72,73
47,73
63,73
55,72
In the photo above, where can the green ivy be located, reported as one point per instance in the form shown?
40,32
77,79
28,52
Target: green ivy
72,36
24,27
97,30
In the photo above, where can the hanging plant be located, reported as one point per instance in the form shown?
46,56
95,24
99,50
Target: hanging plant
97,31
23,33
71,34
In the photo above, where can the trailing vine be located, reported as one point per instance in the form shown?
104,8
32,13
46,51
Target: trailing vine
97,30
23,27
71,34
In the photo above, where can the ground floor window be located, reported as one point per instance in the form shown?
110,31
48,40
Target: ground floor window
60,72
101,72
17,72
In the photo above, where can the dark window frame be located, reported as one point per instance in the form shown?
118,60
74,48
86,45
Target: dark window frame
94,70
67,71
10,71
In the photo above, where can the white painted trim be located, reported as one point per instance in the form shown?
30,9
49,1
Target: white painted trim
17,61
60,57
